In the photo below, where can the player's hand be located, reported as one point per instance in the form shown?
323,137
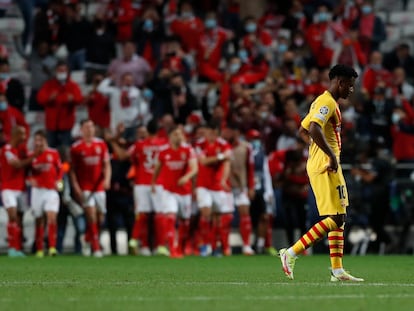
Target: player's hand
53,96
77,192
224,185
251,193
107,184
182,181
153,189
70,97
333,165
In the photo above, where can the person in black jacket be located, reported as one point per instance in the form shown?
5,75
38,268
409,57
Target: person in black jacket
14,88
400,57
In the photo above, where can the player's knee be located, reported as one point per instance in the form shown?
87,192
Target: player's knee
339,220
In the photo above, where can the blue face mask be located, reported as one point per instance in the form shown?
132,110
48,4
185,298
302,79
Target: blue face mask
4,76
323,17
251,27
257,144
234,68
3,106
210,23
298,15
366,9
244,56
148,94
148,25
282,48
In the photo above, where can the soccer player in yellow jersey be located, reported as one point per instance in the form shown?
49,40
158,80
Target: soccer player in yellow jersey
322,126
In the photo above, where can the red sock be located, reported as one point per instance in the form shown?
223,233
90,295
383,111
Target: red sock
94,237
225,227
88,234
160,229
205,230
245,229
142,228
19,245
52,228
215,234
39,237
170,221
14,235
269,230
135,229
183,233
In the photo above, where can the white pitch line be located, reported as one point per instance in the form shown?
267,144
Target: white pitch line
196,283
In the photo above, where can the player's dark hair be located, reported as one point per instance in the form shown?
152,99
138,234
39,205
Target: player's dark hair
342,71
83,121
41,133
152,127
213,125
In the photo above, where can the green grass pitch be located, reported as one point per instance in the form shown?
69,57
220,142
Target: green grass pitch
233,283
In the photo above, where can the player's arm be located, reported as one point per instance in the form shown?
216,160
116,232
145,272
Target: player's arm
15,162
315,132
121,153
226,174
219,157
192,172
250,172
304,134
74,179
107,173
157,170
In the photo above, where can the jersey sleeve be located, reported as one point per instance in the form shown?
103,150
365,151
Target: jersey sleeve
320,112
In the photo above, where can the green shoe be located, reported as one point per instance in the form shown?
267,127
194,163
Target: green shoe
53,251
39,254
133,247
13,253
288,262
162,251
271,251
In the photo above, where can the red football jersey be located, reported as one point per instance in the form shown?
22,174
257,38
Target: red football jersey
46,169
143,155
12,178
209,176
88,163
175,164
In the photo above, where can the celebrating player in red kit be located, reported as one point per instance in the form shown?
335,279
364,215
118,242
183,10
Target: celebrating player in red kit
13,162
46,172
91,176
213,190
175,167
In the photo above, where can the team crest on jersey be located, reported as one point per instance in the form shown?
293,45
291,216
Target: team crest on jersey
183,156
98,149
324,110
49,158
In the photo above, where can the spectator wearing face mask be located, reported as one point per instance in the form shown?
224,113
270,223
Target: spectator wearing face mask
374,74
128,106
256,40
371,28
9,117
148,35
187,26
59,96
322,36
209,48
12,86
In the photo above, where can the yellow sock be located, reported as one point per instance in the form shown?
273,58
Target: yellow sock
314,234
336,247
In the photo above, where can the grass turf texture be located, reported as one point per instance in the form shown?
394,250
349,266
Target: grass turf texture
193,283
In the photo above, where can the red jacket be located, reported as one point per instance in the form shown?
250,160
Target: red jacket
189,31
59,112
372,77
211,42
11,117
98,109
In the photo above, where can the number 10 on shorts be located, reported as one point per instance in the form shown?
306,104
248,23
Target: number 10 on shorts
341,191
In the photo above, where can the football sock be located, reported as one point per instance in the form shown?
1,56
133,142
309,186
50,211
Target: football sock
141,224
245,229
52,229
94,236
336,247
160,222
225,227
183,233
269,230
171,236
39,237
215,234
317,232
205,230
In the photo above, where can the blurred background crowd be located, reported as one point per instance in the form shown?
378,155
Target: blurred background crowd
252,64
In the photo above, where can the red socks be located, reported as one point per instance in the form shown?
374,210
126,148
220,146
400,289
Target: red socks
183,233
225,227
94,234
140,229
52,231
170,221
269,230
205,230
245,229
14,235
160,229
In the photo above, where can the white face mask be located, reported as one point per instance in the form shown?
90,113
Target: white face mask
62,76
